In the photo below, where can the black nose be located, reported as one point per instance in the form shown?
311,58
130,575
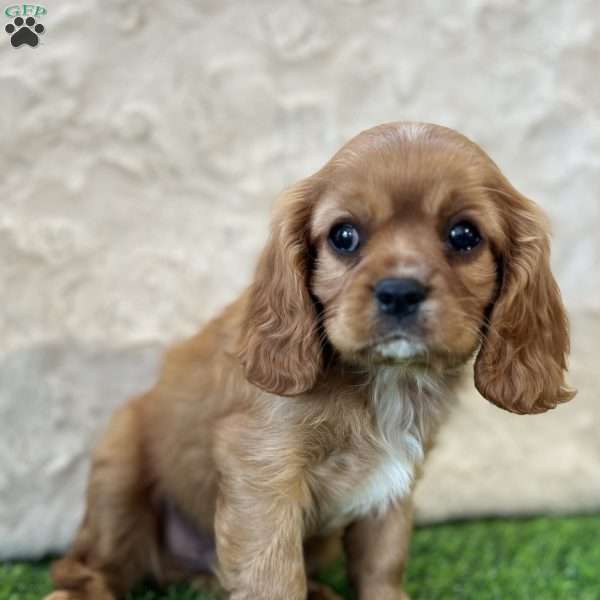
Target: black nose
399,297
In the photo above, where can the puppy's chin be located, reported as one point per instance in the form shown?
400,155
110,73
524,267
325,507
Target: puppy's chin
400,351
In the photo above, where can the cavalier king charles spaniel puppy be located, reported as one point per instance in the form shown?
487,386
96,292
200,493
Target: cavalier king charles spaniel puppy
297,421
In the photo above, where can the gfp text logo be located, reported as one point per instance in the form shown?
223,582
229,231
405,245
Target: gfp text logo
25,10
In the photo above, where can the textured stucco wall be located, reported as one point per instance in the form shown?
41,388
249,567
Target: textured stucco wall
142,144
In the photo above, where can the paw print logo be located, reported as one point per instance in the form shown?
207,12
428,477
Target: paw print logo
24,32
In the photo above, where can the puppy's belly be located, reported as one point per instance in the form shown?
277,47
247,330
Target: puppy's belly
193,549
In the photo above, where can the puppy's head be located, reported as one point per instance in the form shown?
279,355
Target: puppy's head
409,247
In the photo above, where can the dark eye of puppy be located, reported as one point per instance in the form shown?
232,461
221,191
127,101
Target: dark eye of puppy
464,236
344,238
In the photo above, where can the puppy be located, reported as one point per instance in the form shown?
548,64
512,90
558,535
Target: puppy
300,417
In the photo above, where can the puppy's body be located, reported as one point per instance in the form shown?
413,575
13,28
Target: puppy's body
305,410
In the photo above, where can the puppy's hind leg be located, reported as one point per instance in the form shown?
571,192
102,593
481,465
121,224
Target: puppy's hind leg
117,543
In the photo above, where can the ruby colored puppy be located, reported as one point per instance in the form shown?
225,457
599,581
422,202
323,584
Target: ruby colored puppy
301,416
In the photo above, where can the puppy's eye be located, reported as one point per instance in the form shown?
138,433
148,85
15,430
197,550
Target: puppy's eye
344,238
464,236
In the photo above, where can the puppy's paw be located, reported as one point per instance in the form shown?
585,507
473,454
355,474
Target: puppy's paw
60,595
79,595
319,591
383,593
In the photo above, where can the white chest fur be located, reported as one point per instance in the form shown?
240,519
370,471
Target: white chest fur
406,412
389,481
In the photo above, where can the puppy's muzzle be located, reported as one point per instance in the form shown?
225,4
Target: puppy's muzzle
400,297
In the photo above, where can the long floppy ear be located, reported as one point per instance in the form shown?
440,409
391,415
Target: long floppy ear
280,346
522,361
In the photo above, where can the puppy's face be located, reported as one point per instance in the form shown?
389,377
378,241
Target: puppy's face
409,247
406,245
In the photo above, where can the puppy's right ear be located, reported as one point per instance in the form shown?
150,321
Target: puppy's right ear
280,348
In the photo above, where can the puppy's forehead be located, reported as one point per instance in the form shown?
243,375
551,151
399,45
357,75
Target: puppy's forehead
402,172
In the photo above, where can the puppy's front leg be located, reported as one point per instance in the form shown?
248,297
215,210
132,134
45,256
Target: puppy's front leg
259,517
259,549
377,550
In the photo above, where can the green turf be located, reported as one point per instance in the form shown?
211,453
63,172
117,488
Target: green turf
536,559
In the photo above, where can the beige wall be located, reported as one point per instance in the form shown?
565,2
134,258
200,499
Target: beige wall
143,142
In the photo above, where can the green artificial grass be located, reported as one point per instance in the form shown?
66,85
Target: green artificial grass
533,559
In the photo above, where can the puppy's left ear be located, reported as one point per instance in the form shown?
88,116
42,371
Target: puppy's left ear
280,348
522,361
